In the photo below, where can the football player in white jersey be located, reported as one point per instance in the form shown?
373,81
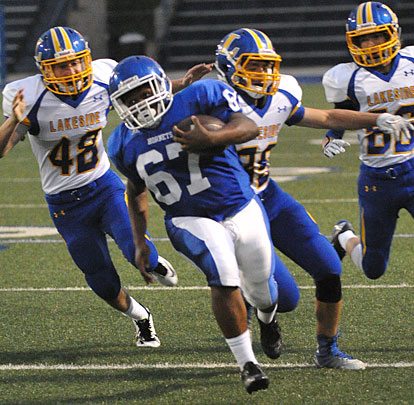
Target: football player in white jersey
65,109
381,79
246,60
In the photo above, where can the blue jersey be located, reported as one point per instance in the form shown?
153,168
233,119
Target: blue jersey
185,184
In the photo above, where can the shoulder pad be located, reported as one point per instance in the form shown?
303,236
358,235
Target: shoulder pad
291,85
102,69
408,51
32,88
335,81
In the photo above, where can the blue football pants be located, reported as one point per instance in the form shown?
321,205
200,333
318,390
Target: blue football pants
380,201
296,235
84,217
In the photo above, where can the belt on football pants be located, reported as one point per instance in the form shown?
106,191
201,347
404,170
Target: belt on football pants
388,172
72,195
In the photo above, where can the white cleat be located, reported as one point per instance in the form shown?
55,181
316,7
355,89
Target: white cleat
164,273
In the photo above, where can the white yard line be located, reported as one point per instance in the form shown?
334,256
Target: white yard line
190,288
169,366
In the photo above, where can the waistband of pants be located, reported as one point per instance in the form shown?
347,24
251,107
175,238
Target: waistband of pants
76,194
388,172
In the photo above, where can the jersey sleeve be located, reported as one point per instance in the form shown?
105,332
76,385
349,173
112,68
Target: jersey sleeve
115,149
335,82
216,98
290,87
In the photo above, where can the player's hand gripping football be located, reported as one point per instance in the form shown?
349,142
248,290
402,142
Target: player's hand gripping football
196,137
395,125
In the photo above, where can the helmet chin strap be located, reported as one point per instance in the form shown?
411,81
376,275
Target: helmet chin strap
147,115
62,87
251,94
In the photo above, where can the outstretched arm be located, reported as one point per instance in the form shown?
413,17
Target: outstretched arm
138,215
193,74
239,129
348,119
8,135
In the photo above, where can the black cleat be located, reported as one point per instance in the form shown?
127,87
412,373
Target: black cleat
340,227
253,377
271,338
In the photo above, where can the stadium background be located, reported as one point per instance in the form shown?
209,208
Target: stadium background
308,34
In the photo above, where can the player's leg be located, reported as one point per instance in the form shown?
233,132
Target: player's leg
209,246
296,234
78,223
379,204
116,223
255,256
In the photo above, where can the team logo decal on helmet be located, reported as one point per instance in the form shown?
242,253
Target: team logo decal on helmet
128,75
373,18
238,52
64,45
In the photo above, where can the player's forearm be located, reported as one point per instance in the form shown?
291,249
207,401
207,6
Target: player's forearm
347,119
238,130
177,85
138,213
338,119
8,137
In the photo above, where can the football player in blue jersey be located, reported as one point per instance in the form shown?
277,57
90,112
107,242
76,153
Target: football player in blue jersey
65,109
246,60
381,78
212,215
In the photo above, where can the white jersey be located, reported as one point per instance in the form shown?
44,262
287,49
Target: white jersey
270,119
65,134
373,92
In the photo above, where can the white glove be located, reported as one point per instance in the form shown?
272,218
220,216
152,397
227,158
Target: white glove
335,147
395,125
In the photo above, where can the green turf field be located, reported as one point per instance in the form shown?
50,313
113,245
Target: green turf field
60,344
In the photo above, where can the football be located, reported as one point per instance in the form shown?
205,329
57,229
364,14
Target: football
211,123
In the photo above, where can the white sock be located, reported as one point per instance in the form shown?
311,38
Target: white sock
344,237
136,310
241,347
266,317
356,256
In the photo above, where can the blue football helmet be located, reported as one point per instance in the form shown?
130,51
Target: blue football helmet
132,73
241,49
371,18
63,45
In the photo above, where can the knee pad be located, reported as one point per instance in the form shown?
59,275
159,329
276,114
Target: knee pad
106,288
329,289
